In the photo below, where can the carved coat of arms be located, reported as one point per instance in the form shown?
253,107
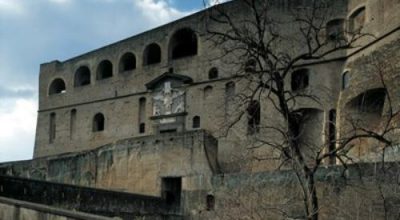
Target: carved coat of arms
168,101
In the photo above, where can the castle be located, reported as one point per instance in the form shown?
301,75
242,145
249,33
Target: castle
158,115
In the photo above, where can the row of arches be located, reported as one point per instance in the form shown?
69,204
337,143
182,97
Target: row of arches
83,76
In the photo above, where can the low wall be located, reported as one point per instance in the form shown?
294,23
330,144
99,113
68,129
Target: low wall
11,209
363,191
88,200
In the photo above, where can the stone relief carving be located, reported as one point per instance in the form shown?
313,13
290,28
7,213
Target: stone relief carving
168,101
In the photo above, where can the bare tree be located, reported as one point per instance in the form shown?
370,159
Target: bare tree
265,46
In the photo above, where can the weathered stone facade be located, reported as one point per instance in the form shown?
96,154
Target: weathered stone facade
150,113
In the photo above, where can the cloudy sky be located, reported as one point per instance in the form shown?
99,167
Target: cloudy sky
37,31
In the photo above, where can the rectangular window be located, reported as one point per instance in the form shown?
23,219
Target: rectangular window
52,128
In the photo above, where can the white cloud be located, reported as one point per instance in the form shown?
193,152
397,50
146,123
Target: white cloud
158,11
17,128
11,6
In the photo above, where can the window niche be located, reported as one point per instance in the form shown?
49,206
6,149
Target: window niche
152,54
82,76
300,79
127,62
52,128
57,86
213,73
98,122
254,117
345,80
142,115
104,70
357,20
196,122
183,43
335,30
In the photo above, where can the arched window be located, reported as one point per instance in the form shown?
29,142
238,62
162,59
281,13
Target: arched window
98,122
183,43
104,70
207,91
357,20
254,116
196,122
52,127
152,54
82,76
57,87
300,79
335,29
127,62
213,73
345,80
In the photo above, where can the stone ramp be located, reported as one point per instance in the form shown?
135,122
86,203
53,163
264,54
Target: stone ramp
88,200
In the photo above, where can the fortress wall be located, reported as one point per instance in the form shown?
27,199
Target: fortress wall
133,165
366,192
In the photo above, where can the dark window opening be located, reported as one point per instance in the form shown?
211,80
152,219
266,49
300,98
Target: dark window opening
371,101
345,80
127,62
82,76
213,73
168,131
183,43
171,190
104,70
335,30
98,122
72,123
142,128
300,79
142,115
250,66
254,116
52,128
332,136
152,54
207,91
57,87
196,122
357,20
210,202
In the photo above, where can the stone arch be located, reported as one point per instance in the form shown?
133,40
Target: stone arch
127,62
335,29
57,86
104,70
183,43
98,122
82,76
152,54
357,19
